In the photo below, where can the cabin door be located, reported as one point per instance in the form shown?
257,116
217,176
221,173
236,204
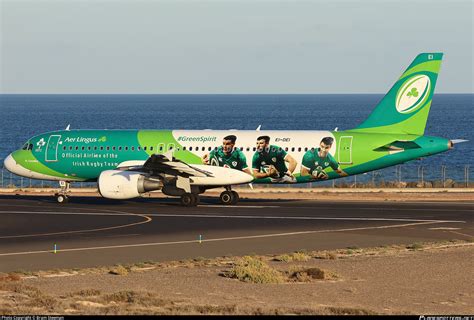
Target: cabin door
52,148
345,150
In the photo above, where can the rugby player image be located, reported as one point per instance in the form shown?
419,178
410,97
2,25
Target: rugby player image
317,159
227,156
270,161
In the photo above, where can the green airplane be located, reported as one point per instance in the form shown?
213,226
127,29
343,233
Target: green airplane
186,163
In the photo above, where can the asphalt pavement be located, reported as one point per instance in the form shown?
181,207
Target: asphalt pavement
91,231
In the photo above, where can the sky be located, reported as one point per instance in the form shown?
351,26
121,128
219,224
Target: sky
219,47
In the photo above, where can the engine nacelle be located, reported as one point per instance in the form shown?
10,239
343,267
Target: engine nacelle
117,184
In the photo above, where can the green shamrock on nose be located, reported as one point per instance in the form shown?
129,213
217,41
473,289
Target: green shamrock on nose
413,93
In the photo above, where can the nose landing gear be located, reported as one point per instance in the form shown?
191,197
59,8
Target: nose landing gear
61,196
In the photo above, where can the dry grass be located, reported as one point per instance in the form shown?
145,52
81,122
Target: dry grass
415,246
119,270
295,256
10,277
304,274
254,270
348,311
325,255
85,293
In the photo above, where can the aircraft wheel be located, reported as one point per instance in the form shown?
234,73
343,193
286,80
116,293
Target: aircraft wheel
236,197
227,197
189,200
61,198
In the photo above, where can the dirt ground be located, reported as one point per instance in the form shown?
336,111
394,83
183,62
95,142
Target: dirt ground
435,278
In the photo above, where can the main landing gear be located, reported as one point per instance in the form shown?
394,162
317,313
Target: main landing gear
61,196
189,199
229,197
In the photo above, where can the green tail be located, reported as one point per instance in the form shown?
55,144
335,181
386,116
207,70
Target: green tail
405,108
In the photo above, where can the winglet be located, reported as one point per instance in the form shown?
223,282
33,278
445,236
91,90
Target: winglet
68,126
258,128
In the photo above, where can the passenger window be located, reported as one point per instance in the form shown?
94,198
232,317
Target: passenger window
151,148
306,149
299,149
286,149
101,148
209,149
144,148
70,147
190,148
120,148
88,148
108,148
133,148
161,148
184,148
248,149
64,148
82,148
215,148
254,148
293,149
95,148
241,148
203,149
126,148
113,148
139,148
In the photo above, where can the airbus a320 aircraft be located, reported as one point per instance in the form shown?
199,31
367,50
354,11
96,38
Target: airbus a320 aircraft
185,163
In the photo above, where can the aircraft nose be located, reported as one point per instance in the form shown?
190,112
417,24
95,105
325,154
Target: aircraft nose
10,164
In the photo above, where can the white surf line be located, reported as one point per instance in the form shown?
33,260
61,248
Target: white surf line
216,239
146,220
222,216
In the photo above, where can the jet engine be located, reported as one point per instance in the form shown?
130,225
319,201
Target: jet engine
117,184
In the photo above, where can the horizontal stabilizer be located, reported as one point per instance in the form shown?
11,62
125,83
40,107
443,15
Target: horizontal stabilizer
399,145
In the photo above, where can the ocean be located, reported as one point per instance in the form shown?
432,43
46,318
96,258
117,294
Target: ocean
23,116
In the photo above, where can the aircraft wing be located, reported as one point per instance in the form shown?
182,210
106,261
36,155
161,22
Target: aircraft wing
166,164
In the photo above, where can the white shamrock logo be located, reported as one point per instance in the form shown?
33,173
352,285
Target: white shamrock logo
40,143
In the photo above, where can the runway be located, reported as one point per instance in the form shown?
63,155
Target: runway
91,231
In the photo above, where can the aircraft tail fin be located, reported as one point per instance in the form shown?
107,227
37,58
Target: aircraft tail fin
405,108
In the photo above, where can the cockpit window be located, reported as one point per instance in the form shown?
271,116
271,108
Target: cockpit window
25,146
30,146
